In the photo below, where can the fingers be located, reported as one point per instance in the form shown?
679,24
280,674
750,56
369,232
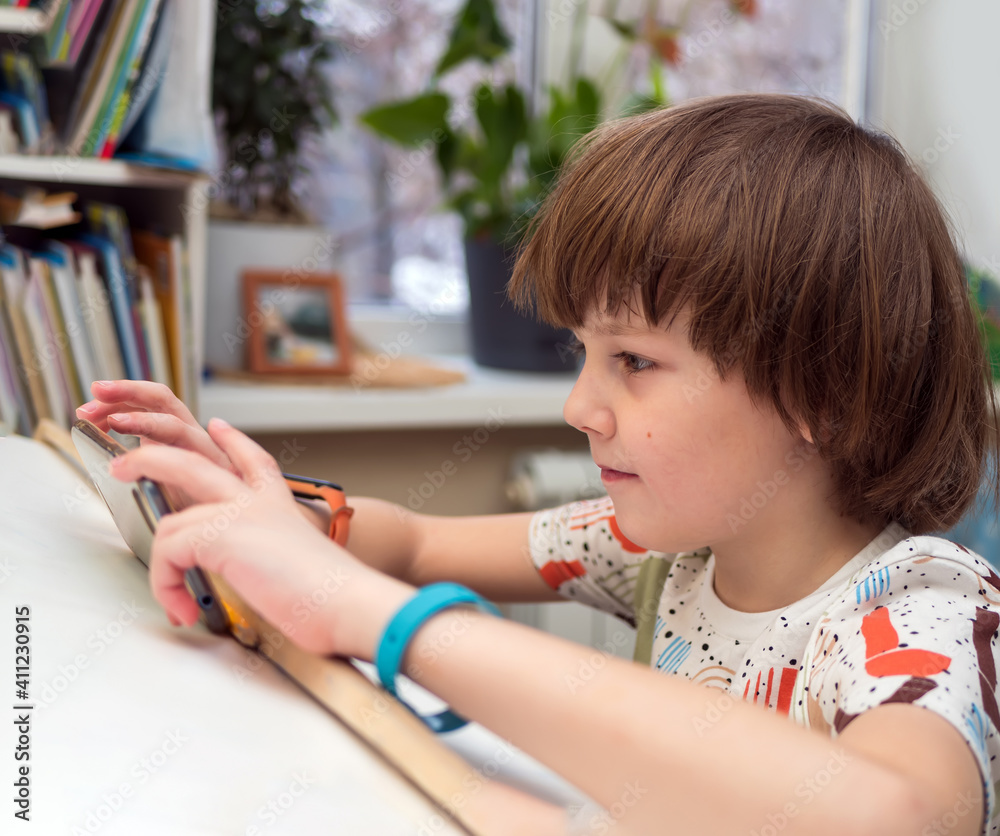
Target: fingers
174,552
150,411
156,397
169,430
129,395
256,465
200,479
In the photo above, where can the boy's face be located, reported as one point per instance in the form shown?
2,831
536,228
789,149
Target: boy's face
687,459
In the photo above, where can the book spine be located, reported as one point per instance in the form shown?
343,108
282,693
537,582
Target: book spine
121,304
20,416
14,280
43,358
57,349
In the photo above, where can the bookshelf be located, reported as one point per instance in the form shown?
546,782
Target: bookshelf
28,22
65,171
169,202
166,200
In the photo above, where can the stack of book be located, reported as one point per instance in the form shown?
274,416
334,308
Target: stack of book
82,82
95,301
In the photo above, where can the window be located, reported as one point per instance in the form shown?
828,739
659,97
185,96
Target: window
383,203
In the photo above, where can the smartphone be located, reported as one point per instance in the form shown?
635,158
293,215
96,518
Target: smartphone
137,507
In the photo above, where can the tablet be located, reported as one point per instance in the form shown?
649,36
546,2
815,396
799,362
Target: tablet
136,507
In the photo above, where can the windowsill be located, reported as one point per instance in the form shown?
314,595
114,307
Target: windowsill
486,396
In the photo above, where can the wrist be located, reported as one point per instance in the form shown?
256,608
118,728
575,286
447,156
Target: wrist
316,512
384,599
340,513
431,640
437,614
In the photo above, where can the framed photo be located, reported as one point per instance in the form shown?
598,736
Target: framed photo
297,324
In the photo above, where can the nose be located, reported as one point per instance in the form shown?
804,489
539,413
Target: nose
586,407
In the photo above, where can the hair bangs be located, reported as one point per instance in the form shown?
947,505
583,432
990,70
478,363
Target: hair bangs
617,232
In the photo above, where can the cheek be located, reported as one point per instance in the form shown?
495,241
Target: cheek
711,456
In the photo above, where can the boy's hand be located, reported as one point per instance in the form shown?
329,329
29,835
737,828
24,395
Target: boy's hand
156,415
248,529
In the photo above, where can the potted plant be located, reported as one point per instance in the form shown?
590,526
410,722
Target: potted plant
496,171
270,97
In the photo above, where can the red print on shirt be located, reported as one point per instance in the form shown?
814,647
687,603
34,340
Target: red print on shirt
626,544
884,656
557,572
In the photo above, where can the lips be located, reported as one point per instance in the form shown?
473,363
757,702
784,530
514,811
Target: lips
609,474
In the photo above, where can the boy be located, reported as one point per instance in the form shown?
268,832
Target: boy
783,387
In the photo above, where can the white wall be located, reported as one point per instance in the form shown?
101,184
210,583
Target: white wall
936,76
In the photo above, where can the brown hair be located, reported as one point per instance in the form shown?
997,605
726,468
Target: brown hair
813,259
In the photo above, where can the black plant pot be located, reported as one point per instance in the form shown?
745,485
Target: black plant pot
502,337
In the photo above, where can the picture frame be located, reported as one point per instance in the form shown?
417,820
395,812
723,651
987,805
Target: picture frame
297,324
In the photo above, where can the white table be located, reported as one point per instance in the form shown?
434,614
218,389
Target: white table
142,728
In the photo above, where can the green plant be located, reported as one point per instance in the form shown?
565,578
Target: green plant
984,290
496,171
494,195
269,95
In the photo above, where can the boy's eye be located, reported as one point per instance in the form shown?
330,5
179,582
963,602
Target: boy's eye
631,363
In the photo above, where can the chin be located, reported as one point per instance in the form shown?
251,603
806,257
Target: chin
639,530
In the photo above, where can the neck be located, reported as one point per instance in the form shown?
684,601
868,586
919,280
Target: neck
768,566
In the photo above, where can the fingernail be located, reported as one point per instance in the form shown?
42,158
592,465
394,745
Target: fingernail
119,416
221,423
86,407
102,382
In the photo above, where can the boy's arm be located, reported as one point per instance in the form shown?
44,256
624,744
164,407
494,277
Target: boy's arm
486,553
661,753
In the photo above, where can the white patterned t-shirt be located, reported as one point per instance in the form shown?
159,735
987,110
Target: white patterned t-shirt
908,619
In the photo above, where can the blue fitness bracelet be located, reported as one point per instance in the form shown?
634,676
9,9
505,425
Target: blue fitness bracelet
427,601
